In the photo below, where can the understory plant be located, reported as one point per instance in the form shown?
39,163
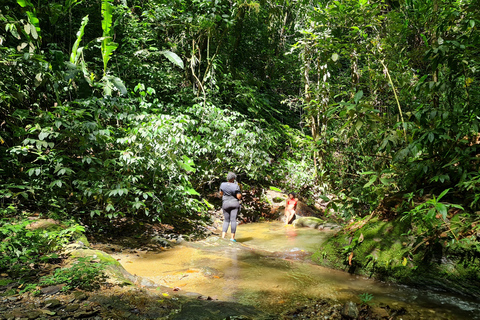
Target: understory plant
84,274
23,249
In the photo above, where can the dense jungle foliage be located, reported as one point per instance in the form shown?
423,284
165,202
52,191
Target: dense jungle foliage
138,108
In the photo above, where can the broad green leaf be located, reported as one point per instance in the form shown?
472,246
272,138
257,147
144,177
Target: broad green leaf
75,52
324,198
107,17
335,57
209,205
192,191
371,181
14,31
386,182
431,137
275,189
442,209
33,30
118,83
43,135
430,214
173,57
358,124
444,192
358,96
425,41
24,3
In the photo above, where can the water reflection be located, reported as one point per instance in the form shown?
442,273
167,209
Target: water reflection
267,268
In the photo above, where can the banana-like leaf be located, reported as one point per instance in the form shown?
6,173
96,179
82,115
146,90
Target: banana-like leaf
108,46
118,83
173,57
111,83
75,51
107,50
107,17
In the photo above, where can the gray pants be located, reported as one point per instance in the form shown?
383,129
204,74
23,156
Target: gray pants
230,212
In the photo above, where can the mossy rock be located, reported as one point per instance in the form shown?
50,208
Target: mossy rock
79,237
384,250
305,210
101,256
113,269
278,199
308,222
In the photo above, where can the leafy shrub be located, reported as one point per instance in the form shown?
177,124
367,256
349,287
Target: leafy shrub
22,249
83,274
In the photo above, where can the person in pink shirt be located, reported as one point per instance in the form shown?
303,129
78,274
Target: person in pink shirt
290,207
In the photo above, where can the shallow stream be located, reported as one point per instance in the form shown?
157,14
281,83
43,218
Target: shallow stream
269,268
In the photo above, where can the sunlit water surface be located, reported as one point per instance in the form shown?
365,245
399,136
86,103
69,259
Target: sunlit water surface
269,268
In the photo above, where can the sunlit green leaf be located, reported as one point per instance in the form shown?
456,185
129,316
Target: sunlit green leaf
173,57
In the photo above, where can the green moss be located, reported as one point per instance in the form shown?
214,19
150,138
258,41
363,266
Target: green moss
95,254
278,199
387,252
79,237
113,269
4,282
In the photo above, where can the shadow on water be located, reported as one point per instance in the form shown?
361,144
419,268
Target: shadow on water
244,239
269,268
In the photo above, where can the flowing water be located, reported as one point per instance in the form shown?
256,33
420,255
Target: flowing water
269,268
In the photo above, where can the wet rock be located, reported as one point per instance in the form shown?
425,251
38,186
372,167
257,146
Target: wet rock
144,282
332,226
48,312
215,240
350,310
192,294
9,286
161,241
15,314
380,313
85,314
52,303
30,314
72,307
308,222
13,298
80,296
52,289
73,246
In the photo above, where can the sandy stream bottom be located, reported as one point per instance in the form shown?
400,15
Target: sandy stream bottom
269,267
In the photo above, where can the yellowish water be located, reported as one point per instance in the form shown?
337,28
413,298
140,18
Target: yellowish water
268,267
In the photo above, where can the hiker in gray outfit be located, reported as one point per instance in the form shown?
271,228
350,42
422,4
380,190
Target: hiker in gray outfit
231,194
